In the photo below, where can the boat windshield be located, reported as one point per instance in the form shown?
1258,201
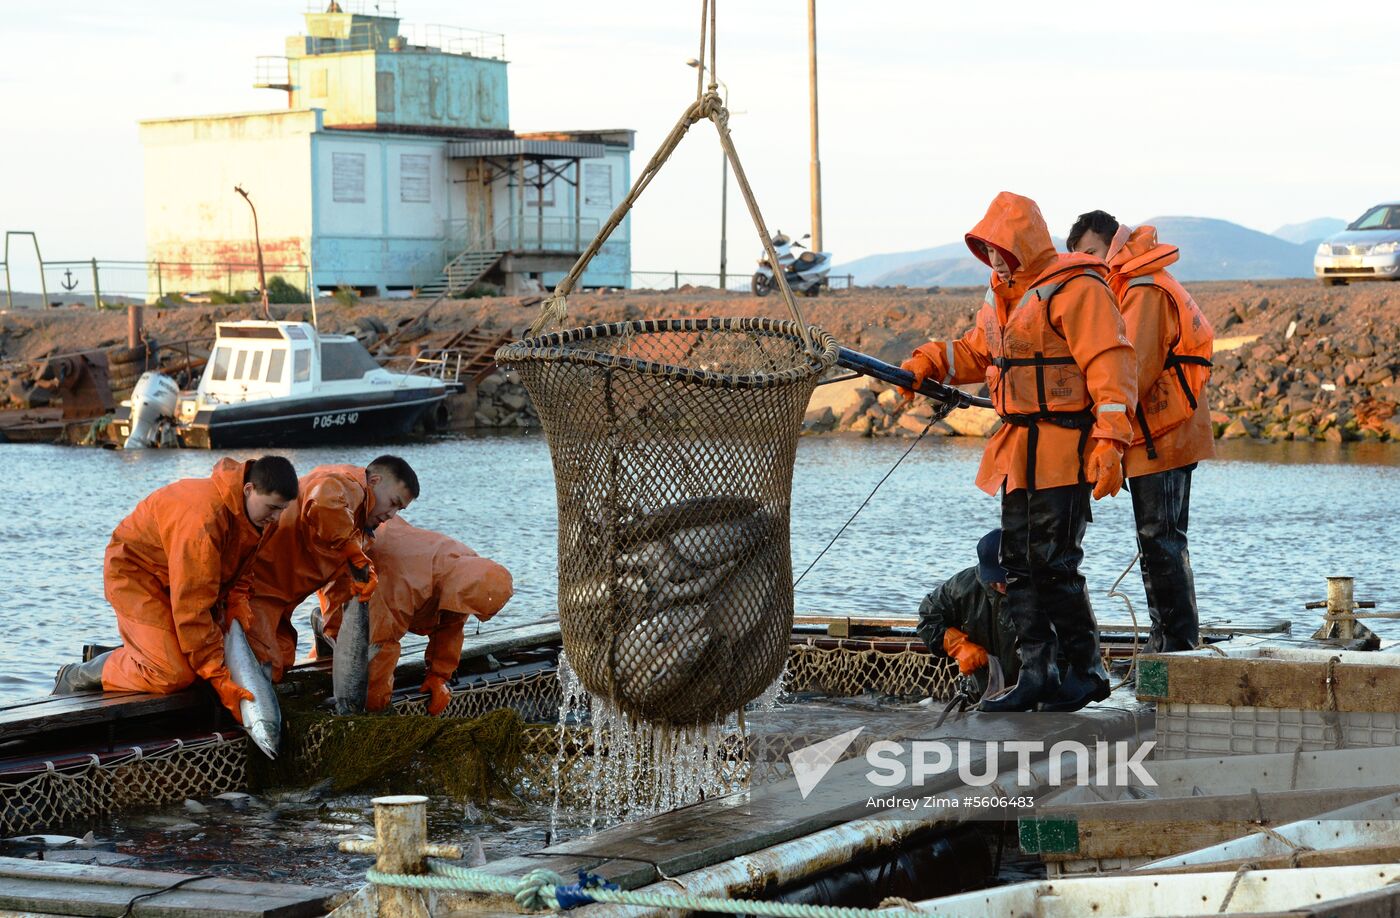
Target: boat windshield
345,360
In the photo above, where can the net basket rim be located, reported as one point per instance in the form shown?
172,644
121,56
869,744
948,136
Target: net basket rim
560,347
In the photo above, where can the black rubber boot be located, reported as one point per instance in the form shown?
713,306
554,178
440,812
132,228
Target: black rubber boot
1039,681
1078,688
1161,508
76,678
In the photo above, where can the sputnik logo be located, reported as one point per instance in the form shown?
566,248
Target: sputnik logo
811,763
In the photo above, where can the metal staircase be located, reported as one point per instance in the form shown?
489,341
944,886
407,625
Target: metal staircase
461,273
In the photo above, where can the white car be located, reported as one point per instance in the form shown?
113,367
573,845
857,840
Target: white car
1368,249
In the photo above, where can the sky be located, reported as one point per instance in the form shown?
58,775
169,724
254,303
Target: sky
1262,113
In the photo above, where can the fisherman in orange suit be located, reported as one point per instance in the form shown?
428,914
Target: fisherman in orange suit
429,584
1171,427
328,528
1050,344
177,570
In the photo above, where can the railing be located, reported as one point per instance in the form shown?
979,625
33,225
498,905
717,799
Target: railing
410,37
270,72
544,234
445,364
671,280
358,7
95,281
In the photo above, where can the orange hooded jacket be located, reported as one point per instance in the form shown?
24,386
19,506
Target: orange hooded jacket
175,571
1154,306
1081,319
306,552
429,584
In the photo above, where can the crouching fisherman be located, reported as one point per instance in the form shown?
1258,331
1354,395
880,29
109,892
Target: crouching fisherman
965,618
429,584
177,571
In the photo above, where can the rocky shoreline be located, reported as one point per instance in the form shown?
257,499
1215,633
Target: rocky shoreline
1295,361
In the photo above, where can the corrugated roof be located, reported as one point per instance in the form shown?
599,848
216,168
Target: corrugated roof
548,149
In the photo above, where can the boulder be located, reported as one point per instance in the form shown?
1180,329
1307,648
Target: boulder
973,422
1239,429
819,420
851,396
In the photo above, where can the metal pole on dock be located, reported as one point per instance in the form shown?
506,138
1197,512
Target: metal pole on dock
96,290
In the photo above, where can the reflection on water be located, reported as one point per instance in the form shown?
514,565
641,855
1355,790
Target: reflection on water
1268,523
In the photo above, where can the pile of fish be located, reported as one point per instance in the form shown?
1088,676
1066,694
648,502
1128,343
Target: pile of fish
690,617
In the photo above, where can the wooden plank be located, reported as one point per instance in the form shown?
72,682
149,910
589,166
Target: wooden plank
1161,828
81,889
43,715
86,710
1271,682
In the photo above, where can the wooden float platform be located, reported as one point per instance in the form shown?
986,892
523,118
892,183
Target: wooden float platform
714,831
56,888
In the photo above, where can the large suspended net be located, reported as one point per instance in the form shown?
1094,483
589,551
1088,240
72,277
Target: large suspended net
673,444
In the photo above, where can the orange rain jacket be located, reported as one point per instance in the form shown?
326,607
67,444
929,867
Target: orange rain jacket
428,584
176,570
306,552
1057,307
1165,326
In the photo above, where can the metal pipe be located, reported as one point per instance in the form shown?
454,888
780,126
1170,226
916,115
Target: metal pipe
878,369
96,290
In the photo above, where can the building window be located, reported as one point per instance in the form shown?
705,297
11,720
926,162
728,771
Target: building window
301,364
318,83
534,174
348,178
415,169
384,91
274,365
597,185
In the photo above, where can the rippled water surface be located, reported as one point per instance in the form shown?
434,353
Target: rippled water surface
1268,523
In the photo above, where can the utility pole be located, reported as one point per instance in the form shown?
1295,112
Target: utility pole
816,159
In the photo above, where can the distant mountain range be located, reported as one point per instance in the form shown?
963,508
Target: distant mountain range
1210,250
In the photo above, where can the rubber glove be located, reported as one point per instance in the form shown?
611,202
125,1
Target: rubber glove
361,565
438,694
230,693
922,366
971,657
1104,470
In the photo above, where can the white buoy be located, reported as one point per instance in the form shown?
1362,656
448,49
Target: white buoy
155,396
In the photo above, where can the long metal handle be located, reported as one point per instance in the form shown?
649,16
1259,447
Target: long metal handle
878,369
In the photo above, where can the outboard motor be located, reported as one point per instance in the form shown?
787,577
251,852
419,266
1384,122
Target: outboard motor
155,396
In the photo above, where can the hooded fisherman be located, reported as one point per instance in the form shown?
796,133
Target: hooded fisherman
1171,426
177,571
429,584
1050,344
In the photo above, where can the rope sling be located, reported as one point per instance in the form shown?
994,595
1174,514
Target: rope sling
672,443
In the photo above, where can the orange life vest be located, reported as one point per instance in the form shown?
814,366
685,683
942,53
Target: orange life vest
1173,396
1033,377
